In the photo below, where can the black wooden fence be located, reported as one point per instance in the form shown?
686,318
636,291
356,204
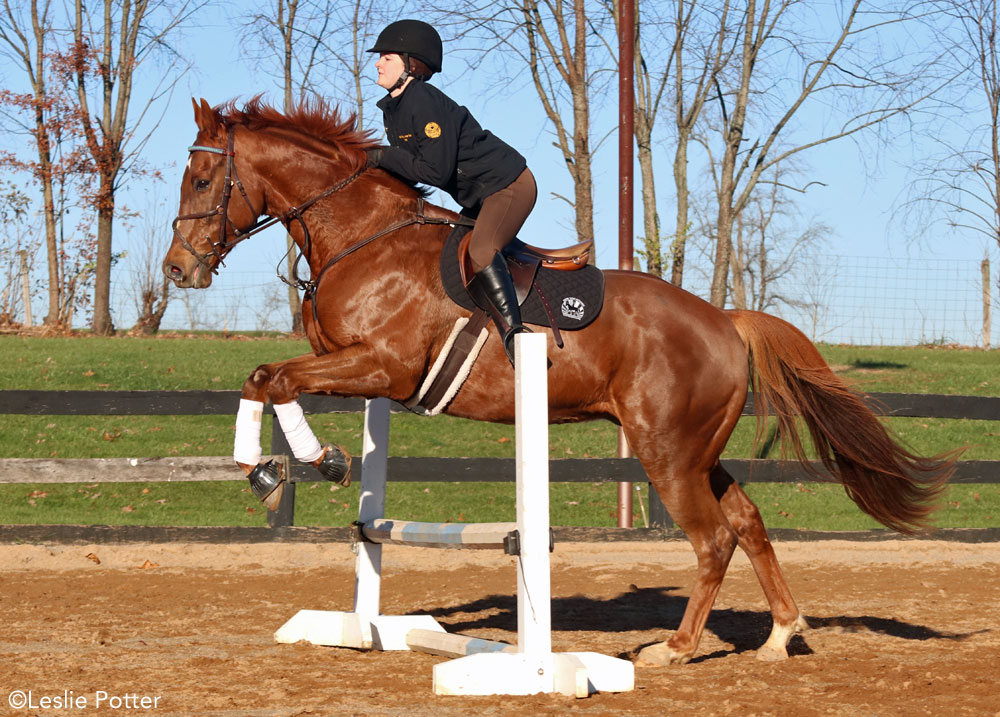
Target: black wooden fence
281,522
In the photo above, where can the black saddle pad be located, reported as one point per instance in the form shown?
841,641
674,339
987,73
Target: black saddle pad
576,297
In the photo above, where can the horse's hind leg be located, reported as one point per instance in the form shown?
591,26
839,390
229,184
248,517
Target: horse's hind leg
745,519
690,501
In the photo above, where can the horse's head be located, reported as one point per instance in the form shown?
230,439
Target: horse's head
208,225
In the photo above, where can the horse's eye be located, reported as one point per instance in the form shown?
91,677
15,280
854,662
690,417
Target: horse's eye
201,185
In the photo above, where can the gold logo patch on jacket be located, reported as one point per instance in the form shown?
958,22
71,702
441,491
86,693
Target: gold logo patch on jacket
432,130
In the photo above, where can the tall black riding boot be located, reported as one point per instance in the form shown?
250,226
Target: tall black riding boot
493,289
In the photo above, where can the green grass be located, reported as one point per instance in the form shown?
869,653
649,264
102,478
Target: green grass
216,362
125,363
320,504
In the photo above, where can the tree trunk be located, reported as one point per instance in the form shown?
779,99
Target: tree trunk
738,264
723,242
102,325
645,113
51,234
570,61
650,218
733,138
583,186
153,305
287,30
584,191
679,244
36,72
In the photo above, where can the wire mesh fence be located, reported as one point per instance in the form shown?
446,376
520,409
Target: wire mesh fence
835,299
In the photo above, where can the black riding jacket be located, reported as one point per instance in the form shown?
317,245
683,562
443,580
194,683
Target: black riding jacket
435,141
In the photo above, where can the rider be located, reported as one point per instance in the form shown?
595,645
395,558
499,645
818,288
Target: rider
437,142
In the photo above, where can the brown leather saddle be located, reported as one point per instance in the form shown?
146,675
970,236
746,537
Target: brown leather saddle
558,288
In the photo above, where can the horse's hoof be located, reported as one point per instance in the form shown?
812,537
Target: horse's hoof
273,499
267,481
661,654
771,654
776,647
335,465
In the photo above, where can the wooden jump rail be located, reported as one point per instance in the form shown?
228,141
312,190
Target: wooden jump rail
424,469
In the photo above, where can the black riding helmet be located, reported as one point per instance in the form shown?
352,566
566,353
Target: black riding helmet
411,38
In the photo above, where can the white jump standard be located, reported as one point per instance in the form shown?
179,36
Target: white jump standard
482,667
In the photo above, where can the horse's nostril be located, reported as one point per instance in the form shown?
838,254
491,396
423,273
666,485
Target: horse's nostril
173,271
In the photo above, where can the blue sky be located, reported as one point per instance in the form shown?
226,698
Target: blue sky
856,201
855,204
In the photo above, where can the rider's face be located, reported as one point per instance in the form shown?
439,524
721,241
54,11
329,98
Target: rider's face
390,67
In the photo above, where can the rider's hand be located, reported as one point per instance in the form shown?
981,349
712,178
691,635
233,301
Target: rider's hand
374,156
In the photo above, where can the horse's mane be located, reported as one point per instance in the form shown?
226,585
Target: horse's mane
314,118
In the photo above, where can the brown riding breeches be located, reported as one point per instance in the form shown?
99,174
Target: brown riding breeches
500,218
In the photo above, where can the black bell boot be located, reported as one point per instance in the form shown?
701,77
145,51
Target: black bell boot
493,289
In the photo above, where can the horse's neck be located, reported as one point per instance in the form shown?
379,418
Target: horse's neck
363,208
374,220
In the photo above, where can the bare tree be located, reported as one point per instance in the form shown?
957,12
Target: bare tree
844,67
702,48
46,118
650,86
316,48
17,252
770,238
24,42
280,35
681,47
961,183
103,63
150,287
350,80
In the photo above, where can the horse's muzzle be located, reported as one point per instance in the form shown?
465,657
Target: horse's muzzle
195,276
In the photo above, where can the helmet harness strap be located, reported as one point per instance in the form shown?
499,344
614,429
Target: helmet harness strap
406,73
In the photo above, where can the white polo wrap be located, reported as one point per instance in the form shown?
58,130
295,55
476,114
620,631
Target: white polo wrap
246,445
303,442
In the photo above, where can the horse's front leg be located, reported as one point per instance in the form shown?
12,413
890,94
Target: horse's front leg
348,372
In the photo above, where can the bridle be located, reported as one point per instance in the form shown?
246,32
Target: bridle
221,247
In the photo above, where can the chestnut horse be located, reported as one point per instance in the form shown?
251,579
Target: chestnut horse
668,367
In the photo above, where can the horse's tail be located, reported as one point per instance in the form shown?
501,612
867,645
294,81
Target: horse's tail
791,380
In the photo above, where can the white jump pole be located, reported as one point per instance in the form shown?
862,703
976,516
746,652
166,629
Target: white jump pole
365,626
533,668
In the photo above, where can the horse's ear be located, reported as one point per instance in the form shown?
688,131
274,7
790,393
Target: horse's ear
205,117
